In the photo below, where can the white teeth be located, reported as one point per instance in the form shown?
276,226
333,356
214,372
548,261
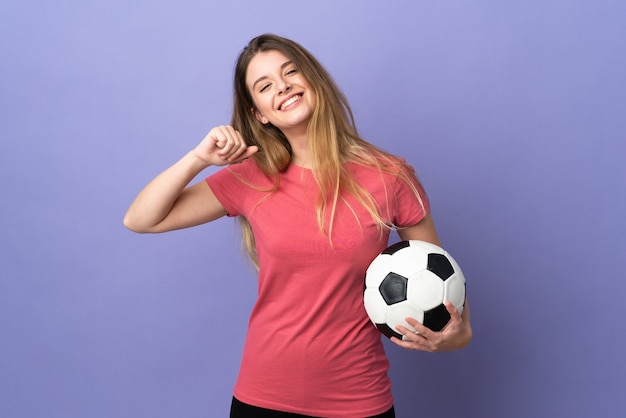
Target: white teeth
290,101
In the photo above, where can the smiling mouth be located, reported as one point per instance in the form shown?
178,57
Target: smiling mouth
290,101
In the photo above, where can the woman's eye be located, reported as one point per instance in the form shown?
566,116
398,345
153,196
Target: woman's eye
264,88
291,71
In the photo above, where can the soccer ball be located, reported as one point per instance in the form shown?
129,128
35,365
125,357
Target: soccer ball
412,279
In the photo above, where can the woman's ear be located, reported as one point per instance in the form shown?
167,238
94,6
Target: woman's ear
259,116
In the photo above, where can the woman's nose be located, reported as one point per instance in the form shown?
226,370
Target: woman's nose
283,87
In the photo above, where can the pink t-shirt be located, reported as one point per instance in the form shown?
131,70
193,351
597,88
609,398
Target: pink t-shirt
310,347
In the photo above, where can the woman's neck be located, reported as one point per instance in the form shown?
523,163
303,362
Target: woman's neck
299,150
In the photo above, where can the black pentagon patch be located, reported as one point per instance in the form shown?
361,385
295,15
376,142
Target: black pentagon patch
393,288
396,247
436,318
387,331
440,265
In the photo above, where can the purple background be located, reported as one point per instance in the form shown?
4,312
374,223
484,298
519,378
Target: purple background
512,112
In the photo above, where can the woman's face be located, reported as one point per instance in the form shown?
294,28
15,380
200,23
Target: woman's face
281,93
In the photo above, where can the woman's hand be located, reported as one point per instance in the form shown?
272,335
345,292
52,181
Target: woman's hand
224,145
455,335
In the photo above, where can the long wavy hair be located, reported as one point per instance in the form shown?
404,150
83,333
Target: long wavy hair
332,137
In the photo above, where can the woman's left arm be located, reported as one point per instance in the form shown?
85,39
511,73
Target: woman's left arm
458,333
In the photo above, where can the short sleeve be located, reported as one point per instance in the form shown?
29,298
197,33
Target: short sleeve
219,183
232,187
410,208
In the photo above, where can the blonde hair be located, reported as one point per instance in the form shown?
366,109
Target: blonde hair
332,133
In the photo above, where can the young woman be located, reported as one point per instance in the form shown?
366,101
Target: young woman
316,204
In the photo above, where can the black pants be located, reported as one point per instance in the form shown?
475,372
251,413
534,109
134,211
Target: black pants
239,409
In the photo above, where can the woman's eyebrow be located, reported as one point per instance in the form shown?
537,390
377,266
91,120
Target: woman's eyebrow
263,77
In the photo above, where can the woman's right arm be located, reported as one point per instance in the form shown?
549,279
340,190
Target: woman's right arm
168,203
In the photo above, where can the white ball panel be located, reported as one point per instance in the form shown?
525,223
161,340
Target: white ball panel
409,260
397,313
375,305
378,270
455,290
425,290
427,247
455,265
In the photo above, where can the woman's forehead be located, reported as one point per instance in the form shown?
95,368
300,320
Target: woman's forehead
264,63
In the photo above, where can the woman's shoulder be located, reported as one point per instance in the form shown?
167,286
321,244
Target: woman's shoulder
249,172
247,168
388,165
